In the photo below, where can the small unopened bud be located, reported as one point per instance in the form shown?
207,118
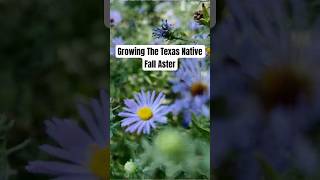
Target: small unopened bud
172,144
198,15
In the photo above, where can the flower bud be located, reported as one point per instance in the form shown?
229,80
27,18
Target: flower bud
172,144
198,15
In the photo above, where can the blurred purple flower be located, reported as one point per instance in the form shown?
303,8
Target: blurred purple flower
176,22
115,17
142,113
172,18
194,25
141,10
266,87
115,41
157,42
84,154
192,82
200,36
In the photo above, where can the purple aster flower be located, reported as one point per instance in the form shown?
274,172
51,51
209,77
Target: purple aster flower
115,41
192,81
142,113
267,88
164,31
115,17
84,153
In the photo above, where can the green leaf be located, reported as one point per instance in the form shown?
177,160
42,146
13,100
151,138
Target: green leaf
147,78
201,129
205,22
205,12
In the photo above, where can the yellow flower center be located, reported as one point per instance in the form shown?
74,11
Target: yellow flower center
99,162
208,50
145,113
198,88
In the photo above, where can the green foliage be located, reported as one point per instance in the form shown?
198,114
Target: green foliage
177,154
5,125
52,53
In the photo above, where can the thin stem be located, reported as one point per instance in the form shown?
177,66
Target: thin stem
18,147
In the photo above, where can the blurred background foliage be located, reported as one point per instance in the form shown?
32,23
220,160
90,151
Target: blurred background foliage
52,53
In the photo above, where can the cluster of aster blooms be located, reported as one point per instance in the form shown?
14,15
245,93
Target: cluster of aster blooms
191,81
171,147
161,118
